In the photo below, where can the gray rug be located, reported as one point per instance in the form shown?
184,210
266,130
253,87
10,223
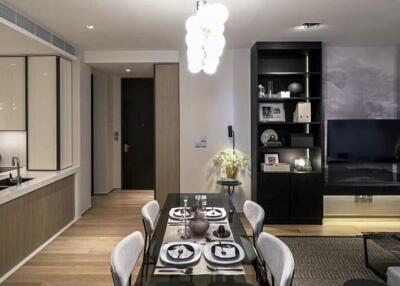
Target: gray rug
331,261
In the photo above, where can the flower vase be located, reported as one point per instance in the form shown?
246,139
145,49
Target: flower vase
231,172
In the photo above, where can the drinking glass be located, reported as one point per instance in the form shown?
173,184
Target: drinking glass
204,202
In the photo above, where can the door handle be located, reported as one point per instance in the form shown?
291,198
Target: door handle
126,148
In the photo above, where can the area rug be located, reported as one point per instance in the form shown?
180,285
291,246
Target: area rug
331,261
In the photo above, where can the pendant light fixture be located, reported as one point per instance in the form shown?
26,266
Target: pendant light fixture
205,37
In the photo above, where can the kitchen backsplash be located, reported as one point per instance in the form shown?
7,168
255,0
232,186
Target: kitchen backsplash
12,143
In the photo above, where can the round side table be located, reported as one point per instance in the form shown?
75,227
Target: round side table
231,184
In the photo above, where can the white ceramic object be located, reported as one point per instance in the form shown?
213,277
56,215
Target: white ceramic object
164,256
211,217
212,259
267,134
174,216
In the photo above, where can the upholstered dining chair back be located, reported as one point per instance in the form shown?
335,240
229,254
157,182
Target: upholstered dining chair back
124,257
277,257
255,215
149,213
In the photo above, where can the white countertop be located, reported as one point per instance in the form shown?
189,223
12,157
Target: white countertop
40,179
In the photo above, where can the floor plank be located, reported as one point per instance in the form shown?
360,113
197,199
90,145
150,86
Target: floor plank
80,256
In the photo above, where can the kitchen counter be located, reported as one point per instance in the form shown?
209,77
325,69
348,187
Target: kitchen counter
40,179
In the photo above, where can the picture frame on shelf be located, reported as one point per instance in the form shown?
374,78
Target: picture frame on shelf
271,112
271,158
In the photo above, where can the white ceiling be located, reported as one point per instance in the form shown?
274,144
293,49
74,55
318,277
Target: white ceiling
138,70
15,43
159,24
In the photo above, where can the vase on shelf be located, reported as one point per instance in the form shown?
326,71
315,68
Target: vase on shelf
231,172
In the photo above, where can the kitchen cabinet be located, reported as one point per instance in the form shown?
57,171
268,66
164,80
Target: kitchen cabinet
49,121
12,93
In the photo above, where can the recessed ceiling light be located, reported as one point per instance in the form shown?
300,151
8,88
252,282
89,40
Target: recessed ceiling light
128,70
90,27
311,25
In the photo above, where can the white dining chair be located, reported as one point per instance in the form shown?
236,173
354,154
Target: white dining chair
150,213
277,258
255,214
124,257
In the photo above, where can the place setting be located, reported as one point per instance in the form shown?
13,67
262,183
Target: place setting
198,240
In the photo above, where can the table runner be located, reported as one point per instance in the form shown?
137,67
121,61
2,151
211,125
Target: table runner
200,268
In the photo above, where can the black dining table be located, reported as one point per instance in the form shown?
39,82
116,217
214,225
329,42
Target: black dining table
253,274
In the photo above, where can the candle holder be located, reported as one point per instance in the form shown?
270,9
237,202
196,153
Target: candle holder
185,235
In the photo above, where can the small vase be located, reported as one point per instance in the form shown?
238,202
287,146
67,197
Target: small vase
199,224
231,172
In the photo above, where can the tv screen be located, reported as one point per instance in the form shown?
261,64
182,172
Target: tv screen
364,141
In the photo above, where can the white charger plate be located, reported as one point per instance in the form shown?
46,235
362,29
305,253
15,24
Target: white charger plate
222,216
164,256
173,216
211,258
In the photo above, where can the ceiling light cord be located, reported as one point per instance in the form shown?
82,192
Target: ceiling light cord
200,3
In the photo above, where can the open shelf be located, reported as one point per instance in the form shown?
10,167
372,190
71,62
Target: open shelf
295,98
290,197
289,123
287,73
268,148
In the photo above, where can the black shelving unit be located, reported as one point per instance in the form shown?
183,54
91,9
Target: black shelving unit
288,197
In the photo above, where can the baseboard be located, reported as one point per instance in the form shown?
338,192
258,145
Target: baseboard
26,259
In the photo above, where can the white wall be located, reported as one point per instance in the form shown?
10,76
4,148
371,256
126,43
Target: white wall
116,95
208,104
241,117
206,109
103,129
85,172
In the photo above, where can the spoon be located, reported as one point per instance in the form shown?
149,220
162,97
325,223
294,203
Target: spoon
180,251
223,252
186,271
223,269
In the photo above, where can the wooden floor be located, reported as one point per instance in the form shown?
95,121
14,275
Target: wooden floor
80,256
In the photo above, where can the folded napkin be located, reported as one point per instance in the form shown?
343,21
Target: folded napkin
180,213
213,213
230,251
180,252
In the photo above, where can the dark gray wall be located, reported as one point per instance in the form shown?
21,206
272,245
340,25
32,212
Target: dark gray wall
361,82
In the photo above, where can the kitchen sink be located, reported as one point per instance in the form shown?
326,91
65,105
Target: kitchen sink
6,183
6,169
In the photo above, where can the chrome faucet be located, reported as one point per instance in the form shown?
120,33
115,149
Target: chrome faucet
18,178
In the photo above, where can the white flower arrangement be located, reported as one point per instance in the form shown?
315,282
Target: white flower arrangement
232,159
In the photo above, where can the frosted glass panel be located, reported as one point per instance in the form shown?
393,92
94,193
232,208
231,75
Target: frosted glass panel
42,113
65,114
12,93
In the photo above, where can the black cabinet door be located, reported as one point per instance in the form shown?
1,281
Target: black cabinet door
307,200
274,196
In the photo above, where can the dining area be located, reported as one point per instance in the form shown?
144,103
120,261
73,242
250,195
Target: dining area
201,240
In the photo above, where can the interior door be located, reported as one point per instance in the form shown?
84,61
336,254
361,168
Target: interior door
138,134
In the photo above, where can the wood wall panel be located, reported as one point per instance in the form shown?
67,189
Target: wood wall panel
29,221
167,130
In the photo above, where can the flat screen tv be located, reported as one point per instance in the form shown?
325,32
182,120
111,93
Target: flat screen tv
363,141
